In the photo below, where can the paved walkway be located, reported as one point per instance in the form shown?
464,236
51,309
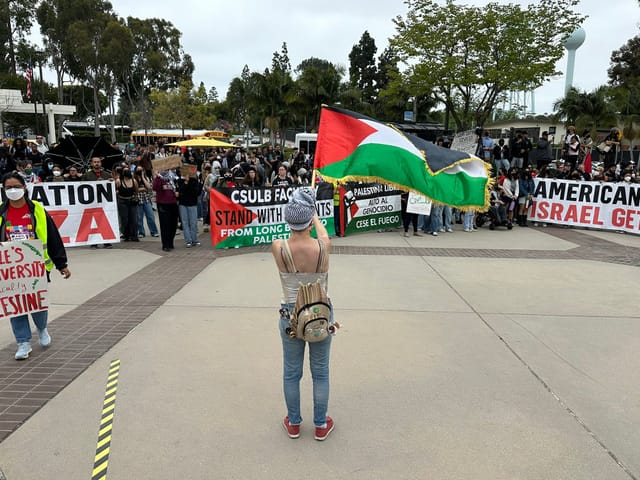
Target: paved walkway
492,355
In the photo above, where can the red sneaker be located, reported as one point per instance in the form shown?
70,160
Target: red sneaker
323,433
292,430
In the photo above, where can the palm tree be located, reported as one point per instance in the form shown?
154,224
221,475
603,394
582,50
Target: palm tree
587,109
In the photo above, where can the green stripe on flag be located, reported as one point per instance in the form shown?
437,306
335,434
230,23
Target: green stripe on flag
401,168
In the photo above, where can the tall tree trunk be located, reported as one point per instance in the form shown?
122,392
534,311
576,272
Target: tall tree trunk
96,109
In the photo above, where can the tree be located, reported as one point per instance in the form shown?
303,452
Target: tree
318,82
16,19
362,67
624,76
468,56
158,62
587,109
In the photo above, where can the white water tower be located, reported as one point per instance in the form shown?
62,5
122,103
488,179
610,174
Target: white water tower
575,41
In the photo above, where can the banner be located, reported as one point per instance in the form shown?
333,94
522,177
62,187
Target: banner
605,206
23,278
418,204
86,213
370,206
244,217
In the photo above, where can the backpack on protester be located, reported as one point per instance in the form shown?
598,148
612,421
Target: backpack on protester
309,320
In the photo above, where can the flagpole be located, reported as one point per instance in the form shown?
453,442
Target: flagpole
44,104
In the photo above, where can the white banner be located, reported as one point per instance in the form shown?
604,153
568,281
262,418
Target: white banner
604,206
466,141
418,204
86,213
23,278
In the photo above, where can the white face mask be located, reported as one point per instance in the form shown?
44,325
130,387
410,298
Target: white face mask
15,193
627,179
57,173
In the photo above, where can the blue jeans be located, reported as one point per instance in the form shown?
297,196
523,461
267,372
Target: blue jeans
468,220
189,217
146,210
293,362
447,216
21,327
436,218
423,223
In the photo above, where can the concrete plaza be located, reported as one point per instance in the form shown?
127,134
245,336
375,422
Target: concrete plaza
486,355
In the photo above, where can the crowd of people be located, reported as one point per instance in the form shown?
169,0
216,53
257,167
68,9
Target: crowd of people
181,199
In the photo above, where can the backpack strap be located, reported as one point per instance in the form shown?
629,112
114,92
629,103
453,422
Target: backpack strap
287,258
322,257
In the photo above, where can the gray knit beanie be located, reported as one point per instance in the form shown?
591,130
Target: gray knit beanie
299,212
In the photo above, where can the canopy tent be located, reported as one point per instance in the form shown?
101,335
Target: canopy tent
78,150
201,142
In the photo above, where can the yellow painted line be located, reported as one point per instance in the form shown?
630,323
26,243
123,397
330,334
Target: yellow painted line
103,447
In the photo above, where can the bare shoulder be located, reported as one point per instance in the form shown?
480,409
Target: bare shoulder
275,248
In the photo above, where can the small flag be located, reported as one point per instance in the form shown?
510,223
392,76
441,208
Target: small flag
354,147
29,77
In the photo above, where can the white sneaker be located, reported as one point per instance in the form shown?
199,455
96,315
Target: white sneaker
24,349
45,338
449,230
442,230
435,234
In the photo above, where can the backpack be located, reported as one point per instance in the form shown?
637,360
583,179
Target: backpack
309,320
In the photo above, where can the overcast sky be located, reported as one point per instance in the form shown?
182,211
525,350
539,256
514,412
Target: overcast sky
223,36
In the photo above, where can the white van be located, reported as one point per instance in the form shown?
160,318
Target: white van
307,143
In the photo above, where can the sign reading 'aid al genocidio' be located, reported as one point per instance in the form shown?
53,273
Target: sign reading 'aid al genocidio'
85,213
242,217
605,206
370,206
23,278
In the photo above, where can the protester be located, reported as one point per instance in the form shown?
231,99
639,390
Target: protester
311,260
127,188
167,203
74,175
187,191
145,204
24,219
543,152
56,174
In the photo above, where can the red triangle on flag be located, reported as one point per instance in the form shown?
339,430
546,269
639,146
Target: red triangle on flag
226,215
339,135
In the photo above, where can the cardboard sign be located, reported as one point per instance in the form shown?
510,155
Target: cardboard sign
188,170
418,204
166,163
23,278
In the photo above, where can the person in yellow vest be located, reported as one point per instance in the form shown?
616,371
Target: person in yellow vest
24,219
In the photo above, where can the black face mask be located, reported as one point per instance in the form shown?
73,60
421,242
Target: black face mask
127,173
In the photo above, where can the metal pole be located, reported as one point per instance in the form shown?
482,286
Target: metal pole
44,103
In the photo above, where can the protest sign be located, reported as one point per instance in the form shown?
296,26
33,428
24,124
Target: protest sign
23,278
418,204
86,213
369,206
166,163
604,206
466,141
188,170
242,217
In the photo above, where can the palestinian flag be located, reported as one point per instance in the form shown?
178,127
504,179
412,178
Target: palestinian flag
354,147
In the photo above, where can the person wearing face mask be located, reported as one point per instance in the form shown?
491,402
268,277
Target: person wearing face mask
24,219
46,171
56,174
25,170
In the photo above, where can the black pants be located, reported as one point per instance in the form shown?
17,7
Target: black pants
410,219
128,220
168,216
